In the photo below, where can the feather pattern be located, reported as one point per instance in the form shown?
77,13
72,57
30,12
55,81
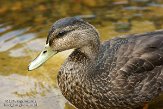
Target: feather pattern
127,73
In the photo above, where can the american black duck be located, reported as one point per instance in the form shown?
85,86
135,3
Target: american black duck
121,73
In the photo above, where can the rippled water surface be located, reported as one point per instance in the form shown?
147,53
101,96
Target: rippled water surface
24,25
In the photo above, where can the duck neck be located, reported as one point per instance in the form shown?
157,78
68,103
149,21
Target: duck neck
83,60
90,51
74,75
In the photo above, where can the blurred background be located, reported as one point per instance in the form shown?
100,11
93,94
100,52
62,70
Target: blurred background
24,25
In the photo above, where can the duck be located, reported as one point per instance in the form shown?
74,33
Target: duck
125,72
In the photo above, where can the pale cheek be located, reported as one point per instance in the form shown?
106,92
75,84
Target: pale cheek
63,44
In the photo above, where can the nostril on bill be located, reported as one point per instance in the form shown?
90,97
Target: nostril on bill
44,51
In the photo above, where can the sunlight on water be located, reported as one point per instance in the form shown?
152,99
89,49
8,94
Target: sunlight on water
17,40
24,26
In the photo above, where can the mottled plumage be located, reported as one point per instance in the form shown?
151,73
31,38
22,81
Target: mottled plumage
122,73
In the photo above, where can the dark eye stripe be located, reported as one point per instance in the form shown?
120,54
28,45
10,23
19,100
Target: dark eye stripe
62,33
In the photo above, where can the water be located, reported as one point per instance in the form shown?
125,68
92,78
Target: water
23,29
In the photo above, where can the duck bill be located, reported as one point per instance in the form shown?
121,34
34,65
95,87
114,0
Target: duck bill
42,57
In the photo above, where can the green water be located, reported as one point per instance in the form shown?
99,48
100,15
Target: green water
24,25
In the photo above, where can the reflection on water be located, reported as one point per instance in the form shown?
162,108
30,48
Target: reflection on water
23,30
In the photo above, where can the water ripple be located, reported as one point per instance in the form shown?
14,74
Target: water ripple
6,45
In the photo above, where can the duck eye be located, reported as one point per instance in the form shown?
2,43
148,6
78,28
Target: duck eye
60,34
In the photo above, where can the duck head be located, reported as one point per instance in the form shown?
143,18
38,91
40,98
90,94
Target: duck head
66,33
